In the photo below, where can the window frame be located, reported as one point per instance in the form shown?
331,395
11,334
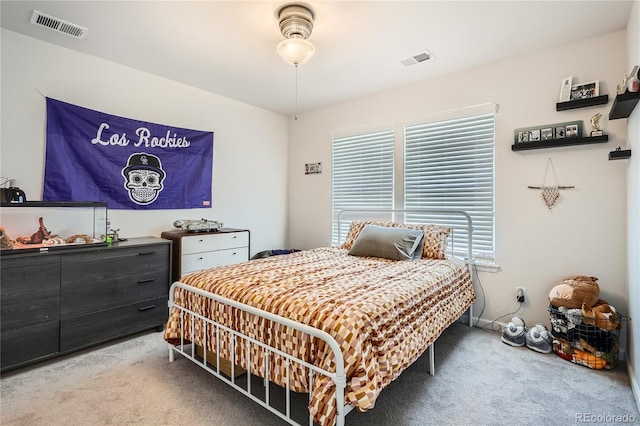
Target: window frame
384,154
399,195
457,143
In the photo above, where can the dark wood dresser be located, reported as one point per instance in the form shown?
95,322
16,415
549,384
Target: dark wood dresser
62,301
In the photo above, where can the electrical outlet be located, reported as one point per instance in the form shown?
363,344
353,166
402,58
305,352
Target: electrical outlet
521,294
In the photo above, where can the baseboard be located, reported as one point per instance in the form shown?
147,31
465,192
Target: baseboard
464,319
635,386
485,322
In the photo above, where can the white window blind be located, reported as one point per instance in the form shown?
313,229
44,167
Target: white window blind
449,164
361,175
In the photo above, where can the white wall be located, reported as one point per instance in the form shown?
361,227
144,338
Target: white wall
633,209
250,144
535,247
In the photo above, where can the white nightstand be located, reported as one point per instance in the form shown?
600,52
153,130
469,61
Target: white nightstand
194,252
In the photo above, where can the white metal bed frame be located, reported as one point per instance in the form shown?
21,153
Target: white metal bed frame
188,350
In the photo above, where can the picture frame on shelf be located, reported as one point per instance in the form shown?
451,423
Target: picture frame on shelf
546,133
587,90
565,89
523,136
572,131
534,135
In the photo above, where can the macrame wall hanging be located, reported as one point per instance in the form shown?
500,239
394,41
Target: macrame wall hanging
550,193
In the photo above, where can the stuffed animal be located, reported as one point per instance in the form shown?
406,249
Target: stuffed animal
588,360
573,291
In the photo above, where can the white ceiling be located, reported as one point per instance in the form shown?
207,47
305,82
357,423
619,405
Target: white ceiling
228,47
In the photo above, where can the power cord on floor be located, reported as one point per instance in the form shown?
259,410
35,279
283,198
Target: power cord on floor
490,326
493,323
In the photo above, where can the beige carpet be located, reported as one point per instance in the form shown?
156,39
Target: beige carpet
479,380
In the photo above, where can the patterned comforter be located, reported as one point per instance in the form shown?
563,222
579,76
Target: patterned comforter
384,314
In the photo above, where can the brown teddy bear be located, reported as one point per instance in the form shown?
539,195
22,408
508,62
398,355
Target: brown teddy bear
573,291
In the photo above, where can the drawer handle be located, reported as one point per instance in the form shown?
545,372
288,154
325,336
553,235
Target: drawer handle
146,308
146,253
200,240
235,236
146,281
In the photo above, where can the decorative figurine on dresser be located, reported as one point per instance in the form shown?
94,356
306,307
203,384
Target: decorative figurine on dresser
77,292
202,244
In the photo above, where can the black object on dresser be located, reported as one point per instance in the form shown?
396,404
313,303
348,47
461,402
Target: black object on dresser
59,302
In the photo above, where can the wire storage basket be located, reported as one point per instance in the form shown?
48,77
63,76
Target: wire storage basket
591,341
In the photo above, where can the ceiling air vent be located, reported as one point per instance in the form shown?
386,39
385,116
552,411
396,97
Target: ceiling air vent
58,25
423,56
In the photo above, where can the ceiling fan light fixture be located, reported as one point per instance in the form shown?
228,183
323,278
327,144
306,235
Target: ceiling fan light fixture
296,24
296,51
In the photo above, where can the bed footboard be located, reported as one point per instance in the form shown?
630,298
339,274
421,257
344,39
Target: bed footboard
189,351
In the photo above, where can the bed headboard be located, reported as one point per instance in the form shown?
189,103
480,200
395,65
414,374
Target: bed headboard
460,241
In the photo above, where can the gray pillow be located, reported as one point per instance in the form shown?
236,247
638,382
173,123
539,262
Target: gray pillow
388,243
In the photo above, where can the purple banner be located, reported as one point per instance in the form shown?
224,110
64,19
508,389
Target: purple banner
129,164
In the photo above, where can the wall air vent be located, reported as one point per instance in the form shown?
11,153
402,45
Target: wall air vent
58,25
423,56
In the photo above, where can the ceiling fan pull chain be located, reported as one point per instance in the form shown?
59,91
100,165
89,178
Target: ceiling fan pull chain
296,111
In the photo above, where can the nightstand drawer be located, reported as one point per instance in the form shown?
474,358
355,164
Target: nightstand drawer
199,261
211,242
195,252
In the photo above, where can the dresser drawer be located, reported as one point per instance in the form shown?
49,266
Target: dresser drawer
117,278
29,344
84,330
29,291
115,262
89,296
199,261
211,242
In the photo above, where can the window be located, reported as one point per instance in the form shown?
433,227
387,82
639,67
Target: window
361,175
449,165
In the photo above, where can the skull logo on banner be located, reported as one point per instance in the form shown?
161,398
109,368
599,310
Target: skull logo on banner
143,178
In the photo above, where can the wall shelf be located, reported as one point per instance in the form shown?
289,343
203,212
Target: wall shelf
555,143
623,105
620,154
582,103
